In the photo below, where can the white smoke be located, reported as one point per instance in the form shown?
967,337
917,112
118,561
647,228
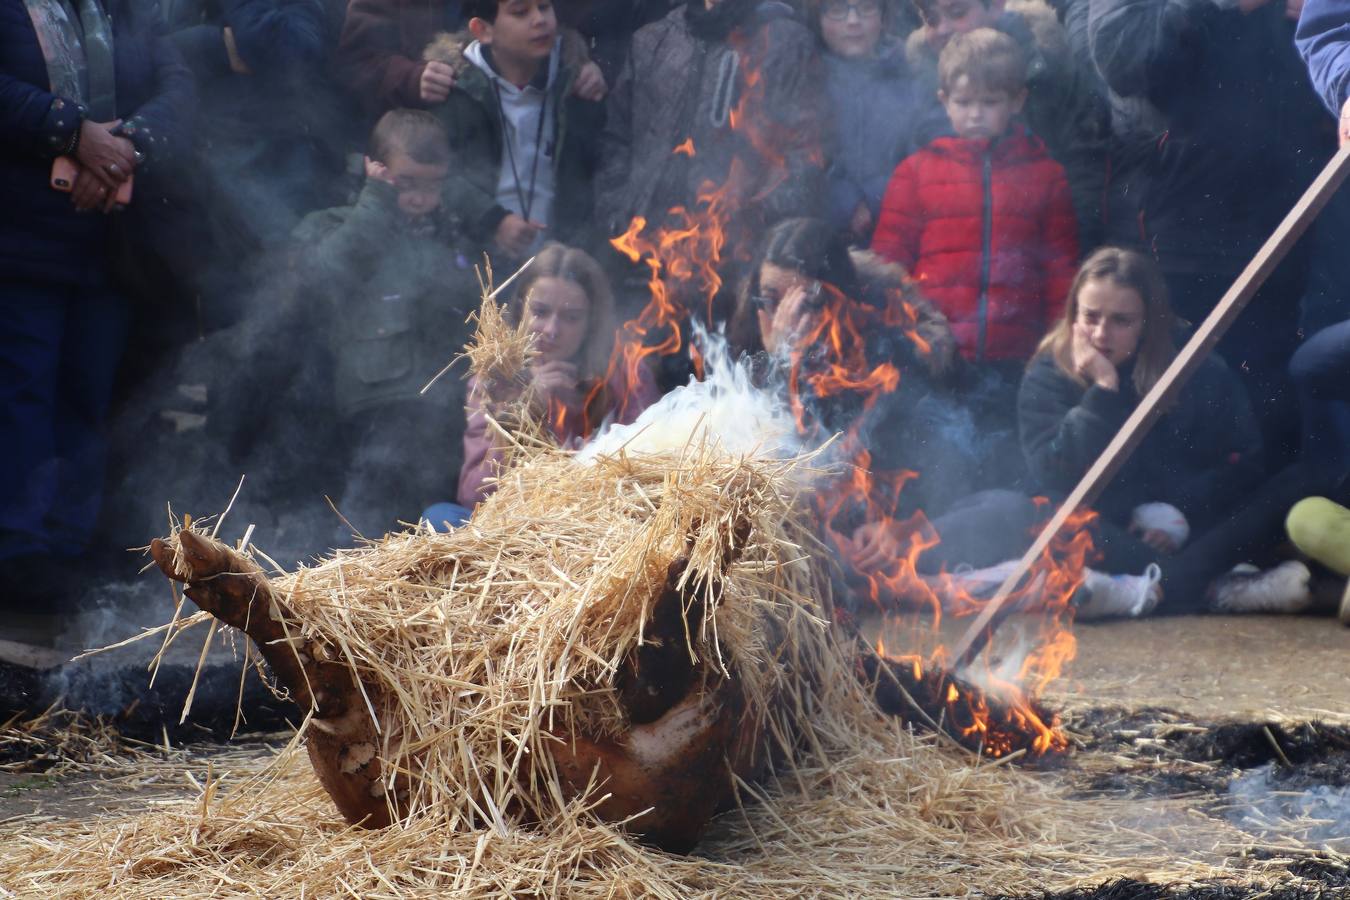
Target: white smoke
725,411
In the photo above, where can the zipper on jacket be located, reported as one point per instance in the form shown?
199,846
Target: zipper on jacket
986,247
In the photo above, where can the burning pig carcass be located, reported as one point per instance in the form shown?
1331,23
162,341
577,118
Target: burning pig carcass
625,633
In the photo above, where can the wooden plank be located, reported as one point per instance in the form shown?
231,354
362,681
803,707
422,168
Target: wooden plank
1173,380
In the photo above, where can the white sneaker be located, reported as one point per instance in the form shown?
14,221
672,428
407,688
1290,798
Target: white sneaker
1127,596
982,582
1283,589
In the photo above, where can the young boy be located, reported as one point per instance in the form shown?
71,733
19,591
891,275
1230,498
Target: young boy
983,220
396,296
1066,104
524,143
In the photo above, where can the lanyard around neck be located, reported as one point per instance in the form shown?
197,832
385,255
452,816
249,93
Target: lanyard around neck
526,203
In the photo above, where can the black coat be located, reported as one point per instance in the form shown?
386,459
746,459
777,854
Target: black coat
1199,457
1218,126
42,238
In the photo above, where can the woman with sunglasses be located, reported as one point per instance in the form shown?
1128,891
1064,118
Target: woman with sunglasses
902,434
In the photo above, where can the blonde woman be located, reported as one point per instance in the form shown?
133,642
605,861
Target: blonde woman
566,300
1191,499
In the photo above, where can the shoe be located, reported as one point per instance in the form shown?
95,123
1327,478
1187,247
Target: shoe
1125,596
1283,589
982,582
1320,529
1162,517
1345,606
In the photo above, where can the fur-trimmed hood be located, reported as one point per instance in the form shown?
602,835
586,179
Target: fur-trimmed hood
448,47
1043,32
885,281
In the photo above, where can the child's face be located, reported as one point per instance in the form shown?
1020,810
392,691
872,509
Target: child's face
1110,317
523,32
851,28
946,18
419,185
559,316
980,113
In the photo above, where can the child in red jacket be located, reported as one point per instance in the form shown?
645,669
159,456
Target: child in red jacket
984,220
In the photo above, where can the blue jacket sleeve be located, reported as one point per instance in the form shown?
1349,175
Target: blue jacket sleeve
37,121
1323,39
162,126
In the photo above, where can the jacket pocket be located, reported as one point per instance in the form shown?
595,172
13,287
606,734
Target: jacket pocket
381,347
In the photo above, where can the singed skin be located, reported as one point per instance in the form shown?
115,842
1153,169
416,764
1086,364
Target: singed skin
669,774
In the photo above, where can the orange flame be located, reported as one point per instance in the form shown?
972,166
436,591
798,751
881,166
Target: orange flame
686,256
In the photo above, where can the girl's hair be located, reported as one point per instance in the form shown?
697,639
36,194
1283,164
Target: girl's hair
809,246
579,267
1128,269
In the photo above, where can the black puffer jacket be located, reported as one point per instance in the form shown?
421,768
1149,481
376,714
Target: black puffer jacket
1199,457
684,76
1217,124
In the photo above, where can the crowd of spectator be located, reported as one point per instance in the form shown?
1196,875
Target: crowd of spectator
289,199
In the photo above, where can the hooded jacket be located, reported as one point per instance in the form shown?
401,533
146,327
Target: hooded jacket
684,78
473,120
394,298
1066,104
988,230
875,108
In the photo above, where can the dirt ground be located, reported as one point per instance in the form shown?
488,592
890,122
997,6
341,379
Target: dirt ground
1213,667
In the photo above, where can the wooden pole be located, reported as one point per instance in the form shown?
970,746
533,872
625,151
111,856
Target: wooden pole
1172,381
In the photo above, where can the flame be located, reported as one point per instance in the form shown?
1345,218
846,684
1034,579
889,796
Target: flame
988,707
686,256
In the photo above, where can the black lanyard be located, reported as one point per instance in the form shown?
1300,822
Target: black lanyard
526,204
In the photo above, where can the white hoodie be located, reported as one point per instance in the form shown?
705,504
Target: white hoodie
524,141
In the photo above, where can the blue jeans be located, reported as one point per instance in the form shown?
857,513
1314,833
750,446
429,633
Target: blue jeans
1321,368
446,517
59,350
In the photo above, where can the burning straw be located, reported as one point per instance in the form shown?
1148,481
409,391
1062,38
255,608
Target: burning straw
479,652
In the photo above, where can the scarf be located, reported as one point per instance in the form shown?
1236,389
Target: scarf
77,45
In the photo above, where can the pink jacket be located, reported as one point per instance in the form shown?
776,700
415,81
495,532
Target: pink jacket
481,455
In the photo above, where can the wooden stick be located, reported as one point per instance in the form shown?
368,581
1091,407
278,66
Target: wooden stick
1173,380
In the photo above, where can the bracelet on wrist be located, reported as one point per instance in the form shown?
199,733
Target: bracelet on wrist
73,145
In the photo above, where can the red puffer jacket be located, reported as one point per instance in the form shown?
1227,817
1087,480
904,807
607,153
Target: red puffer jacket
988,230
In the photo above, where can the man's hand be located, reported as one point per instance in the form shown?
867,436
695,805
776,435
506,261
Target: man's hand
1089,362
556,380
103,157
515,235
437,80
1293,9
1343,132
1250,6
590,83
